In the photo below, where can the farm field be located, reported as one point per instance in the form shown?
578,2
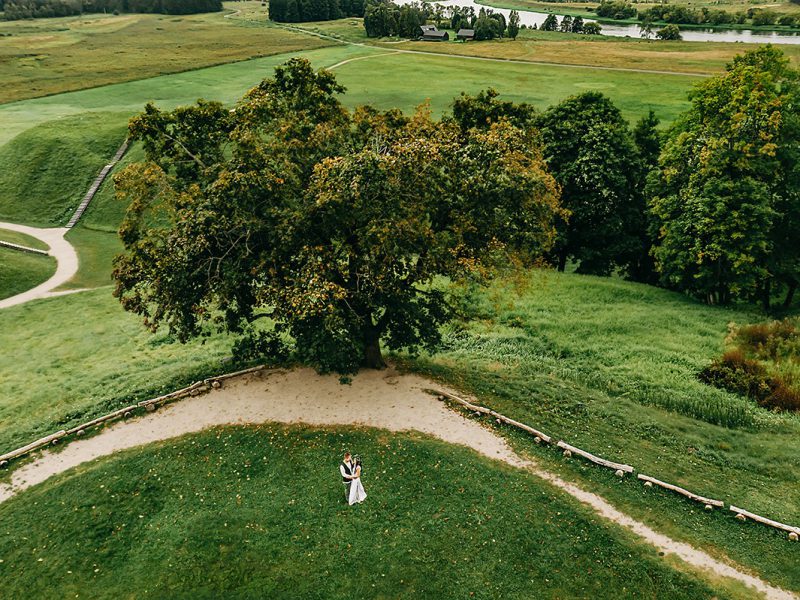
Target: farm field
585,9
42,57
253,510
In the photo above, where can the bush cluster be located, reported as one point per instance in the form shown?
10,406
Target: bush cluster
616,9
761,366
33,9
301,11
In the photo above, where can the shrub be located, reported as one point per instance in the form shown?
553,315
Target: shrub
738,374
783,397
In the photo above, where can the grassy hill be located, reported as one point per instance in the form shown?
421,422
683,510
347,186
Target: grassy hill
259,512
45,171
20,271
610,366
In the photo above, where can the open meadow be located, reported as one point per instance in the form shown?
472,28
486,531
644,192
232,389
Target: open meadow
603,363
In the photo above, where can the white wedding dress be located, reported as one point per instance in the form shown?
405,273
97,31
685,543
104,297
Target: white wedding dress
357,493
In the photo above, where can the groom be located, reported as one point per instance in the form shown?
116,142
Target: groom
347,469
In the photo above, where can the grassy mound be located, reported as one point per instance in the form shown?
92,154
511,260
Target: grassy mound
611,366
46,170
259,512
21,271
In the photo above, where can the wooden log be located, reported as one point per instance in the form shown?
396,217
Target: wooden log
239,373
117,413
682,491
595,459
33,445
173,395
486,411
740,512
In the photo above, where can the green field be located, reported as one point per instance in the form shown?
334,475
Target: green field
42,57
257,511
20,271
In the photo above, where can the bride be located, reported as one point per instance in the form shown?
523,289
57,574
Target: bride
357,493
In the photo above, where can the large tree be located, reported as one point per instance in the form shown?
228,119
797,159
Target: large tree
591,153
726,202
332,226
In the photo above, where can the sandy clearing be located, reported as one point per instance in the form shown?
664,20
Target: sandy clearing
60,249
377,399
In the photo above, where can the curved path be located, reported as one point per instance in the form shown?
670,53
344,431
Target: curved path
377,399
60,249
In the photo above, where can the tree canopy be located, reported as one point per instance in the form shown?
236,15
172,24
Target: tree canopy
308,228
725,202
590,151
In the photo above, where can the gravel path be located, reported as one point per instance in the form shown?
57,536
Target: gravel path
60,249
376,399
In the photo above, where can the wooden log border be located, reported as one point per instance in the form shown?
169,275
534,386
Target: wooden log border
28,249
764,520
794,532
595,459
682,491
486,411
193,389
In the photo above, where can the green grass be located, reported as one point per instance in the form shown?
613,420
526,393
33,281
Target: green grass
258,512
45,171
610,367
49,56
21,271
21,239
81,355
96,250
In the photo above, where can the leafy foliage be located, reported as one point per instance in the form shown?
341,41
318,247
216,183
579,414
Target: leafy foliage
385,18
725,202
592,155
331,224
295,11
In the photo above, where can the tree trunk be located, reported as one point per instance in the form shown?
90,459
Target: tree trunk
562,261
787,302
373,359
766,290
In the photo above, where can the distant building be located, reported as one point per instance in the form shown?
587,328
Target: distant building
434,35
465,34
424,28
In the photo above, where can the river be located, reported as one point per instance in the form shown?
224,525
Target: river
748,36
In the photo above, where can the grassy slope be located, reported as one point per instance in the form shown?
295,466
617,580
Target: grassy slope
610,366
80,355
255,512
49,56
45,171
21,271
21,239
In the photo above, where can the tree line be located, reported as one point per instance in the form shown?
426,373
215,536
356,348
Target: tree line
682,14
299,11
33,9
337,226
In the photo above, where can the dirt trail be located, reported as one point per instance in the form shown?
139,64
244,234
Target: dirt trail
60,249
377,399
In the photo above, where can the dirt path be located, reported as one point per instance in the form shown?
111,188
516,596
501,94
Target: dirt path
377,399
60,249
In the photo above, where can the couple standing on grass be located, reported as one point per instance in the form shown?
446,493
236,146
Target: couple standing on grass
351,477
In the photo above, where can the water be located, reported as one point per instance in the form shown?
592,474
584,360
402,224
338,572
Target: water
529,18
